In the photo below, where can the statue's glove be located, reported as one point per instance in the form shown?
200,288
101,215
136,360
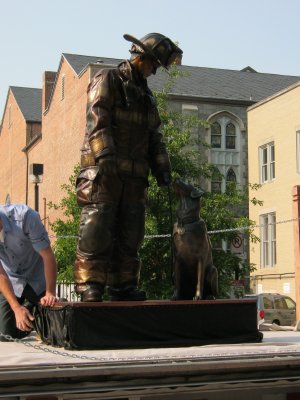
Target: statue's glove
164,179
107,165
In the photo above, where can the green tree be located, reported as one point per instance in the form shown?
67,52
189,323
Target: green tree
222,212
66,229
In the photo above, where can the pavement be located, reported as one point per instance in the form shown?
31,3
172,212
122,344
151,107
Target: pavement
32,352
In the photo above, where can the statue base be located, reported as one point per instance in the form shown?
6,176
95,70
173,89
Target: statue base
147,324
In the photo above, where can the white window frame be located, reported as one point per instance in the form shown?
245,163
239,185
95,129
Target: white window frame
268,240
267,162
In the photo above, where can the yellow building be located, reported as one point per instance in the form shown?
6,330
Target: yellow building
274,162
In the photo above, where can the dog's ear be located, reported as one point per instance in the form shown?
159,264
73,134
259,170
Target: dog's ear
196,193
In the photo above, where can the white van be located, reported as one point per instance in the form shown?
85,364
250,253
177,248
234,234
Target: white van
275,308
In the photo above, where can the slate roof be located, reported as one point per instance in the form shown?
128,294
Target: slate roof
30,102
223,84
79,62
207,83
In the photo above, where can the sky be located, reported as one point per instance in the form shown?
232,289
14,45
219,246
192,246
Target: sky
229,34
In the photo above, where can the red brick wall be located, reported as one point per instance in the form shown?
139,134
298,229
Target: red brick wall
63,126
13,165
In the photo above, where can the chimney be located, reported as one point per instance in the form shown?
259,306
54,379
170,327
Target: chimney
48,83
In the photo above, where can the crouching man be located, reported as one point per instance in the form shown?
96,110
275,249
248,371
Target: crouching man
27,269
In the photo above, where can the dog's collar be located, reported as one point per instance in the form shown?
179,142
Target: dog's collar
187,221
181,227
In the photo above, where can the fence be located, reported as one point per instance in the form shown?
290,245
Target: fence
66,291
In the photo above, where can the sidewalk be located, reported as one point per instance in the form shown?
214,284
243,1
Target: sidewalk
32,352
241,371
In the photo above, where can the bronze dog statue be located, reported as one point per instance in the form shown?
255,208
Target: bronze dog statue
195,276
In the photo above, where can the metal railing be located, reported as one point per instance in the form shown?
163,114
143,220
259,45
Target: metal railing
66,291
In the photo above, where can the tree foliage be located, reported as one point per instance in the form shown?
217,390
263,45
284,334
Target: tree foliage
221,212
66,228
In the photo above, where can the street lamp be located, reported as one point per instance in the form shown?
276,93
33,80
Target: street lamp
36,173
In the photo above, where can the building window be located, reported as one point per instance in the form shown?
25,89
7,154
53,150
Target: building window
216,182
32,131
230,136
268,240
224,134
298,150
267,162
216,135
230,178
62,87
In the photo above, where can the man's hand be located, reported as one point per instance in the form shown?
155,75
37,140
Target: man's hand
50,274
48,300
23,318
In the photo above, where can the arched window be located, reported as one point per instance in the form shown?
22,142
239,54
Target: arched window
216,182
230,177
216,135
230,136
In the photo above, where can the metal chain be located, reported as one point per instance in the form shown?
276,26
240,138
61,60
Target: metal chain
48,350
243,228
167,235
150,358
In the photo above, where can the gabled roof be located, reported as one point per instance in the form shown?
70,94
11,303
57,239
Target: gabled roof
30,102
248,69
206,83
273,96
79,62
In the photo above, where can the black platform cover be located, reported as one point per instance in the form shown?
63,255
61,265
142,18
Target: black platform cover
147,324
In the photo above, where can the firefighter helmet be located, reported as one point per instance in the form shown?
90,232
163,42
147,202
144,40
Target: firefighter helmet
158,46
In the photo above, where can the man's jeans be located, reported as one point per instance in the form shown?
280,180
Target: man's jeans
7,316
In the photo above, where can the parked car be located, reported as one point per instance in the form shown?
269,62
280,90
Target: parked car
275,308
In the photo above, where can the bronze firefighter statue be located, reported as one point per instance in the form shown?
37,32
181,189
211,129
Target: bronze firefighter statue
122,144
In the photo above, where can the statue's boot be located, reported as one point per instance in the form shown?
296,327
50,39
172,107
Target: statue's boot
90,292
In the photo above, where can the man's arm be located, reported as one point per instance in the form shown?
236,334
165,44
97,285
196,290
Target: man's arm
39,238
22,315
50,269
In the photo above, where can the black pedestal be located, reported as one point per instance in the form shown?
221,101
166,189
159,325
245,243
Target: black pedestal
147,324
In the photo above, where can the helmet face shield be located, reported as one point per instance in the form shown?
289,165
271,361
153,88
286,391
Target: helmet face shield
158,47
164,52
175,58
